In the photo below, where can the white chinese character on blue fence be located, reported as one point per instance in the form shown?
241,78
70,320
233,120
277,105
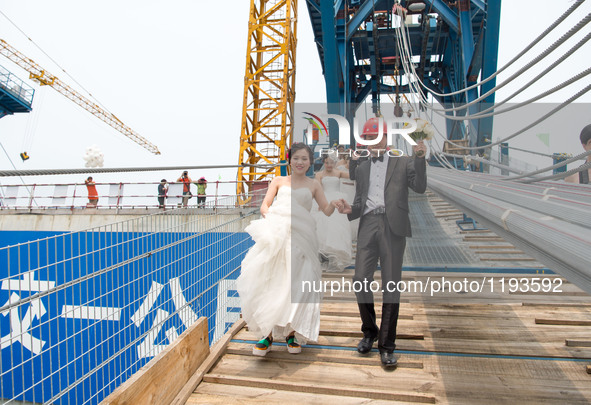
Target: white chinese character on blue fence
21,328
148,346
228,307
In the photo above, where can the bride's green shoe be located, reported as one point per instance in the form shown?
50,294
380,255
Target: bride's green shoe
262,346
292,346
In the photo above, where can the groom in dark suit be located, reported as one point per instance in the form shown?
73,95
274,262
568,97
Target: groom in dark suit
381,200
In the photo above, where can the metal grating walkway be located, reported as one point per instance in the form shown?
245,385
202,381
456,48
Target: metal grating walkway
430,244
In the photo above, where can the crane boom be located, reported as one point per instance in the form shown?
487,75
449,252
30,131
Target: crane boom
45,78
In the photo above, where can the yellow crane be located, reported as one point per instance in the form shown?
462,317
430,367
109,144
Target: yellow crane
44,78
269,93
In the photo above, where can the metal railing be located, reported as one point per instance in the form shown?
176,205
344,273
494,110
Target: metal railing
16,86
81,312
111,196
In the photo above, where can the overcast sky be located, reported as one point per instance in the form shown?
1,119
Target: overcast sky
173,71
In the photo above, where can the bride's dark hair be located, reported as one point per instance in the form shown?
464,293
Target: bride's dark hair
299,146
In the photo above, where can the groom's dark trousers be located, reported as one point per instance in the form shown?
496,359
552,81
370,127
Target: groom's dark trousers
383,235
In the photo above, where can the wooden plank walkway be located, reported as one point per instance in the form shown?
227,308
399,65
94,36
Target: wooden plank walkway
488,346
463,351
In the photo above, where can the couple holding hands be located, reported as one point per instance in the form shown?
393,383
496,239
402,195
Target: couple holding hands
284,257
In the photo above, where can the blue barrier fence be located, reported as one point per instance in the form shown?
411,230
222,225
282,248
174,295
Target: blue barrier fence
81,312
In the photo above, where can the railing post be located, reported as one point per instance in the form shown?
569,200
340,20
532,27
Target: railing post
119,194
31,196
74,197
217,185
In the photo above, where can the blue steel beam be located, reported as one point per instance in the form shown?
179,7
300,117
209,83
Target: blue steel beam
337,6
466,35
462,47
467,53
333,75
489,57
332,70
312,4
446,13
371,31
364,11
480,4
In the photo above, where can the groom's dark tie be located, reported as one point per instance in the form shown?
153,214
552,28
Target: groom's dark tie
375,159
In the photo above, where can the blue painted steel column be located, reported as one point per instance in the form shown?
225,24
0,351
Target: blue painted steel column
375,80
332,71
467,54
489,59
557,158
504,158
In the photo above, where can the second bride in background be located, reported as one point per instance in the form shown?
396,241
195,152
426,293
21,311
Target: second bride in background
334,232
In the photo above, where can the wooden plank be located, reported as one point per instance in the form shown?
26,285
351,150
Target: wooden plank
540,321
216,352
475,231
355,314
449,216
319,355
556,305
577,343
359,334
232,394
563,294
316,388
159,381
491,246
499,252
479,237
468,238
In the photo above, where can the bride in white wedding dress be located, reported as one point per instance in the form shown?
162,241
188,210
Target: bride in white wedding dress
334,233
284,260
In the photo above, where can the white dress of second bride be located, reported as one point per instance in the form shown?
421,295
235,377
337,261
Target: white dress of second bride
348,188
278,268
334,232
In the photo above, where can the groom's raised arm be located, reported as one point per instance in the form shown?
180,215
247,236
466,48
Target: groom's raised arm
416,173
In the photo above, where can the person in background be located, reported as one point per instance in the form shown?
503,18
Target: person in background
582,177
201,186
186,180
162,190
333,232
92,193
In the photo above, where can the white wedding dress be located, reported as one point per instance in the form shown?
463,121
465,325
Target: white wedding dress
278,268
334,232
348,188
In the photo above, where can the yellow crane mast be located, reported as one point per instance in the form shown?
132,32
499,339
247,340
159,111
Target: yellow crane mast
44,78
269,92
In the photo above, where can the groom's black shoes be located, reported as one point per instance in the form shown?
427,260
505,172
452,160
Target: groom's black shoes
388,359
365,345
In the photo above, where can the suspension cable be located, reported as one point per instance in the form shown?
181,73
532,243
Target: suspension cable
559,176
44,172
409,66
555,166
484,114
51,59
523,52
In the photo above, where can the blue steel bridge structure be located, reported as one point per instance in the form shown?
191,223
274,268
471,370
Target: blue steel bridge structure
453,44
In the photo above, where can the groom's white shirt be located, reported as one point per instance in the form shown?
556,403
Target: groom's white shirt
377,184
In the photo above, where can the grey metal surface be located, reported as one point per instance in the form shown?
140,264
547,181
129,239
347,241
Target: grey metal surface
430,244
563,246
